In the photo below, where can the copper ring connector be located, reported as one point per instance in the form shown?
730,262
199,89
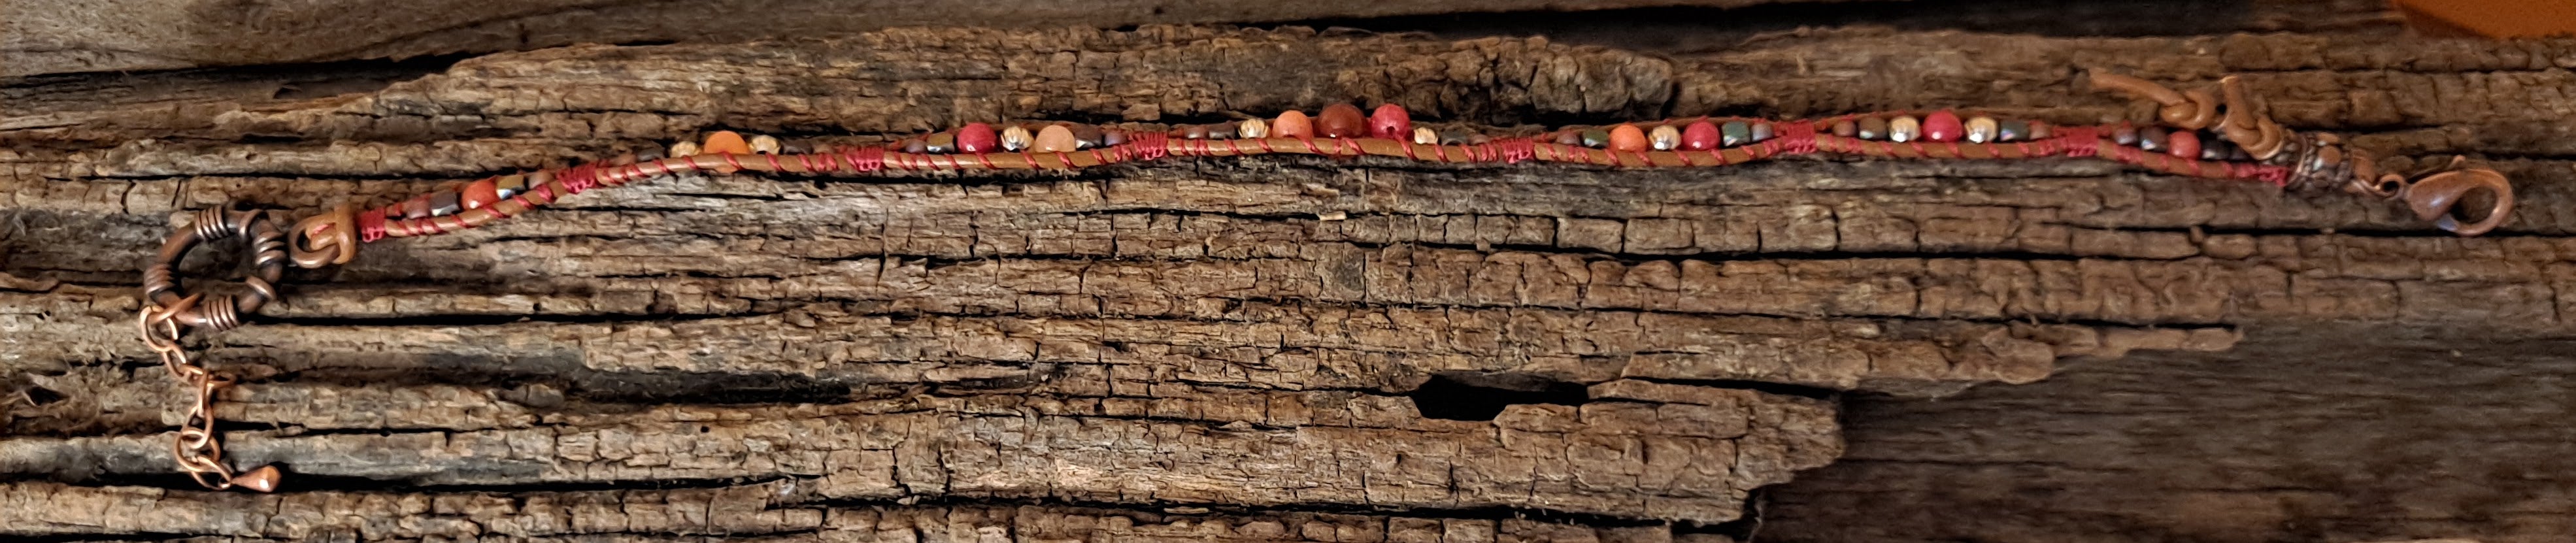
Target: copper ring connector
268,259
328,239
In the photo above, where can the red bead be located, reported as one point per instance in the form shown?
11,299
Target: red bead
1341,121
1942,126
1699,136
481,193
1292,124
1390,122
978,138
2183,143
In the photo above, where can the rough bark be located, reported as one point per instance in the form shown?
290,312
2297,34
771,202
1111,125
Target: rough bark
1115,353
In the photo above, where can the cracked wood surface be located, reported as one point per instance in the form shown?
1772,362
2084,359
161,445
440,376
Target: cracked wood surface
879,356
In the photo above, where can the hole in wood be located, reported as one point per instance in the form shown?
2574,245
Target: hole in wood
1479,396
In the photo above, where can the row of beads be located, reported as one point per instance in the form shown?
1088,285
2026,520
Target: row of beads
1388,131
1940,126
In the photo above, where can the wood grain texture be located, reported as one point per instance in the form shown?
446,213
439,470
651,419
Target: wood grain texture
1221,348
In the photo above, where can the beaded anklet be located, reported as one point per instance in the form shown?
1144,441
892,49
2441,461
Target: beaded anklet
2197,134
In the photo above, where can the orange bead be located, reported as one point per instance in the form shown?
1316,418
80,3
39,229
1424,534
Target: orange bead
481,193
1627,137
725,141
1292,124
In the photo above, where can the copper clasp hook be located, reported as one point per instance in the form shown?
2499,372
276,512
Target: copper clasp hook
2436,196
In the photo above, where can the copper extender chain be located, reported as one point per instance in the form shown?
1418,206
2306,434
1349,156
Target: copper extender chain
2197,133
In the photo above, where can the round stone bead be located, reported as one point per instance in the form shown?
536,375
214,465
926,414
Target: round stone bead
725,141
1015,138
915,146
1252,128
1390,122
943,142
2152,138
416,208
481,193
978,138
1113,138
1292,124
1846,128
1425,136
1942,126
1699,136
1569,136
1904,128
2039,131
1627,137
684,149
1761,132
2010,130
1341,121
1664,138
1221,131
1055,138
1596,138
2184,143
2125,135
1190,131
1088,136
1872,128
1982,129
1455,137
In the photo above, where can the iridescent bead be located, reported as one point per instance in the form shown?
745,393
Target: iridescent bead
2152,138
1942,126
723,142
2215,149
1872,128
1425,136
1734,133
1055,138
1190,131
915,146
510,185
1220,131
2125,135
1699,136
1292,124
977,138
1341,121
444,203
1390,122
1088,136
1015,138
1113,138
2039,131
2011,131
1665,138
416,208
1761,132
1596,138
1627,137
1570,136
764,144
1252,128
1456,137
1904,128
942,142
1982,129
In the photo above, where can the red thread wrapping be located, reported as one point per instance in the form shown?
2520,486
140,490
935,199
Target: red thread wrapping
371,225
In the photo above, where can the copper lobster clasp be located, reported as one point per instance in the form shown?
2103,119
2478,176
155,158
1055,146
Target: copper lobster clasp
2436,196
